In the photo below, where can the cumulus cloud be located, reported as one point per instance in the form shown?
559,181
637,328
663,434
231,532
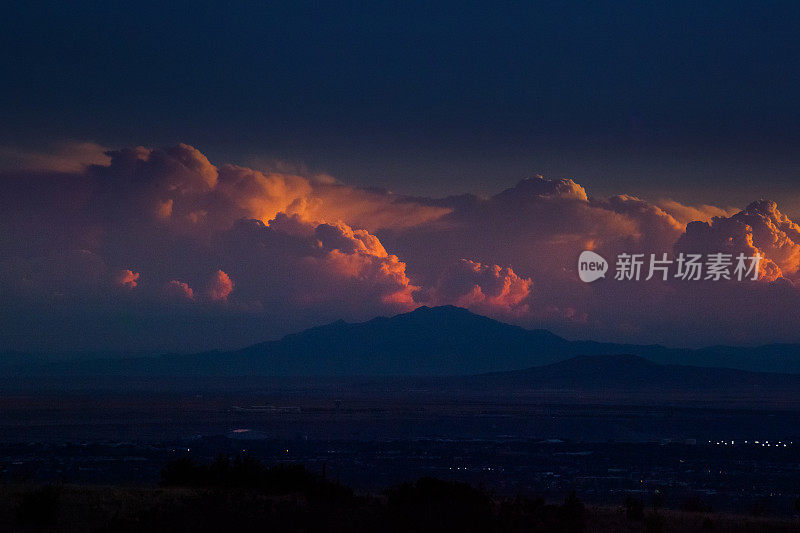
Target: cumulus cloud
220,286
343,238
540,227
300,264
179,290
485,289
286,250
539,188
687,213
758,229
372,210
127,278
179,188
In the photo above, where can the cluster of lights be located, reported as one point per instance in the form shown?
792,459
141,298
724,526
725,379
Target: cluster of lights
763,444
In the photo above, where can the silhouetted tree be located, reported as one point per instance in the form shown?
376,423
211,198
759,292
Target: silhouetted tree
573,513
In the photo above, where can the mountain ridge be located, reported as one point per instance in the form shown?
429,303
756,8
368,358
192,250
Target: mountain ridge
428,341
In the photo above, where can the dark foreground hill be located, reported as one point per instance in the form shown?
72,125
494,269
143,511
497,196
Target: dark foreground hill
305,504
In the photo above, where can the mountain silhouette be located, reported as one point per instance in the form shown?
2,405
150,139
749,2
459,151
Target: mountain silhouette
438,341
450,340
427,341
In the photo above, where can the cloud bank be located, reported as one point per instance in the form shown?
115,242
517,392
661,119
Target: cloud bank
145,248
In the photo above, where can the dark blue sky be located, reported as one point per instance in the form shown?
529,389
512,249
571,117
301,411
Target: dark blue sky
693,100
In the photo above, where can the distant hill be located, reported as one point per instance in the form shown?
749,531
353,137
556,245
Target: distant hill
450,340
428,341
439,341
631,372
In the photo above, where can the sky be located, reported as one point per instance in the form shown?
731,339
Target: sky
203,175
426,98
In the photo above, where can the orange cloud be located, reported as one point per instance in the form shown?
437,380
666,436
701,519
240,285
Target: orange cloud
179,289
181,189
342,237
367,209
220,286
357,255
127,278
687,213
489,289
759,229
304,249
253,194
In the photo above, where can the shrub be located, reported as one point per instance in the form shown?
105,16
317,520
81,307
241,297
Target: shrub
435,505
654,522
249,473
40,507
634,509
694,504
572,513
